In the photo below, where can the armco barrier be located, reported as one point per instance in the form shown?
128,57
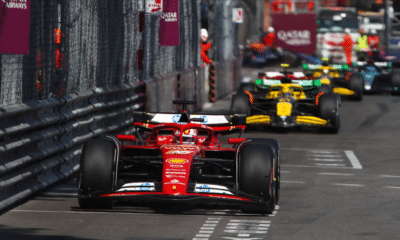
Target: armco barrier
40,142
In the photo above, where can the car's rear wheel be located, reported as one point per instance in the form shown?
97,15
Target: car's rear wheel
96,173
356,84
240,104
256,168
395,82
246,87
328,109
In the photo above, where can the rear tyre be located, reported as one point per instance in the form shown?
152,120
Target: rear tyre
395,82
255,176
325,89
240,104
96,174
356,84
246,87
328,109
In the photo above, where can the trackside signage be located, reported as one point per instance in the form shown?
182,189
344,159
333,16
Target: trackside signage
14,26
296,32
169,23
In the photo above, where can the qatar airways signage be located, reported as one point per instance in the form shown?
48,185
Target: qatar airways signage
14,26
296,32
169,23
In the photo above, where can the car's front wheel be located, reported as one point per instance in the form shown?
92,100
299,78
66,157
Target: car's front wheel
256,177
96,173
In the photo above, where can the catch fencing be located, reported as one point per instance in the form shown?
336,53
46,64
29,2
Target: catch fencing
90,65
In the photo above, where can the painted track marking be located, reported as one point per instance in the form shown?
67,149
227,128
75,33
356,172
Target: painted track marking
348,184
291,182
327,159
392,187
353,159
387,176
207,229
337,174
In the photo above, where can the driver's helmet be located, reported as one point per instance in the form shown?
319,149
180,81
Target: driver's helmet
325,62
188,136
326,71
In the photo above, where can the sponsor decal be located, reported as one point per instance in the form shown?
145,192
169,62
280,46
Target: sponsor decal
176,166
176,118
19,4
237,15
178,173
177,160
145,186
174,176
174,181
295,37
204,188
178,152
271,82
162,138
169,16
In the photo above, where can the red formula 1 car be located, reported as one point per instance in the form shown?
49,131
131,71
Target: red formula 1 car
177,158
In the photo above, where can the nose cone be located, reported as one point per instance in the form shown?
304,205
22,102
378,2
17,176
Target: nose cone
176,167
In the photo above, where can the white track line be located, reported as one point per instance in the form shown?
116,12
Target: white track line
285,171
326,159
292,182
387,176
353,159
348,184
207,229
327,156
312,150
308,166
330,164
337,174
392,187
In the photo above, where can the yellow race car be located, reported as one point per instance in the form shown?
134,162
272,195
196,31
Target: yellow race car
341,80
287,105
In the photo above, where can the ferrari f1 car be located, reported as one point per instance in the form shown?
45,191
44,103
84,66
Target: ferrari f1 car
340,77
287,103
378,76
178,158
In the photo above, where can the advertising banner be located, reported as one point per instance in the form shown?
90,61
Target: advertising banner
169,23
296,32
14,26
154,6
237,15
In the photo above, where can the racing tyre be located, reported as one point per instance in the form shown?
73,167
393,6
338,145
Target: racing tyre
256,167
246,87
96,174
325,89
328,109
395,82
240,104
277,162
356,84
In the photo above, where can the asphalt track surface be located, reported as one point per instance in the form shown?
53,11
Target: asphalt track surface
343,186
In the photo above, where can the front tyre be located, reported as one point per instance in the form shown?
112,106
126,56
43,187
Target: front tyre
96,173
356,84
328,109
256,174
395,82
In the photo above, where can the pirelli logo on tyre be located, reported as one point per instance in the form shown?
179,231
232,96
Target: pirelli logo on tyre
176,160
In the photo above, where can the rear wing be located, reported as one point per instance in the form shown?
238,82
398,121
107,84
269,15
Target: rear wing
219,123
384,65
305,83
339,67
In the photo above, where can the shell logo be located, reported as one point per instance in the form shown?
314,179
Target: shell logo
176,160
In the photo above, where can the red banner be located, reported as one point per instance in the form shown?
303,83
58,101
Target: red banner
169,23
296,32
14,26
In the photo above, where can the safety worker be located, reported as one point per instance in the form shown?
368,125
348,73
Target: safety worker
205,46
269,39
347,45
362,44
373,40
